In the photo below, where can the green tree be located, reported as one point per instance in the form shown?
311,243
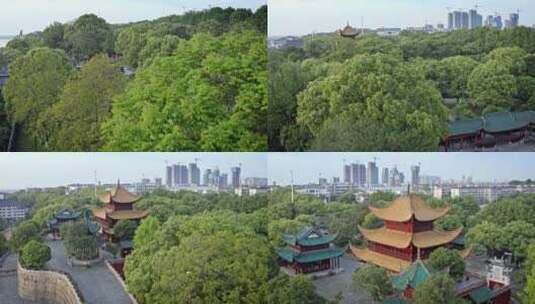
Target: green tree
34,255
125,229
211,95
439,289
157,47
492,84
369,105
35,82
130,42
53,36
26,231
145,232
374,279
452,75
3,244
284,289
443,258
513,57
87,36
84,105
529,289
489,236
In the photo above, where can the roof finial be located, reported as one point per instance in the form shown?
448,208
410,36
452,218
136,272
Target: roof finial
118,183
408,189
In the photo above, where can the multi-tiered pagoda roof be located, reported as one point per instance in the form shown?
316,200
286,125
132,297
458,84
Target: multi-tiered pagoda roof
408,234
348,31
310,250
118,205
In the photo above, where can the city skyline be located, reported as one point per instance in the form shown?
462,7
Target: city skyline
482,167
29,170
35,15
378,14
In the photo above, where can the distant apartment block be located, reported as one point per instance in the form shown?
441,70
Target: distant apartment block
11,210
283,43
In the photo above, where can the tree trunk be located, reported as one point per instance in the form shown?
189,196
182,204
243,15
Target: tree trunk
11,136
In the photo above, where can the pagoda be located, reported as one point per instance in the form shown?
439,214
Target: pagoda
118,205
348,32
309,251
407,235
60,218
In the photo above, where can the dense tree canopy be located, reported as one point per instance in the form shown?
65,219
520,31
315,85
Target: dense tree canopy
210,95
215,84
34,255
35,83
475,71
84,104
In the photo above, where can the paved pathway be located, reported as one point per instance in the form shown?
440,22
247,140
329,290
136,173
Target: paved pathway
97,284
8,284
328,287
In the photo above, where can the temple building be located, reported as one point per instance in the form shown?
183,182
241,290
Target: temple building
495,288
118,205
348,32
407,235
490,130
309,251
60,218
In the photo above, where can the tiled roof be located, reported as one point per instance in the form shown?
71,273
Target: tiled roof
309,256
399,239
382,260
405,207
492,123
119,195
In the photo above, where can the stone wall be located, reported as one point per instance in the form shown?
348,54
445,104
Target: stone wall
47,286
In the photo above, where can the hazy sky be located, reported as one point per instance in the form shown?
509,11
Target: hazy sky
32,15
299,17
307,167
22,170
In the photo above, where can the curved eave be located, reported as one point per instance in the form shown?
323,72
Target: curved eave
402,240
381,260
404,208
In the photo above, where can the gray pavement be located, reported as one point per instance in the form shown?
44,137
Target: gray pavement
97,284
8,283
329,287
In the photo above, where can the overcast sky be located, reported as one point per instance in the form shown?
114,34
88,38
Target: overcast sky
32,15
307,167
23,170
299,17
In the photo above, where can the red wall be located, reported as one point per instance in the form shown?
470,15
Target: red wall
410,226
404,254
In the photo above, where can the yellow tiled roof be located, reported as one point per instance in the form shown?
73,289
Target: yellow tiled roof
381,260
120,214
119,195
128,214
402,240
404,208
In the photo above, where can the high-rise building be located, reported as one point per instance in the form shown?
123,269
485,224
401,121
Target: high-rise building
464,20
513,20
354,174
361,174
475,20
347,174
372,174
223,180
183,175
457,19
415,175
207,177
169,176
194,174
236,172
385,177
450,21
216,176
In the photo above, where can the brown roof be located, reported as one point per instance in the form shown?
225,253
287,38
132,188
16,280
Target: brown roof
120,214
402,240
119,195
382,260
349,31
404,208
128,214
